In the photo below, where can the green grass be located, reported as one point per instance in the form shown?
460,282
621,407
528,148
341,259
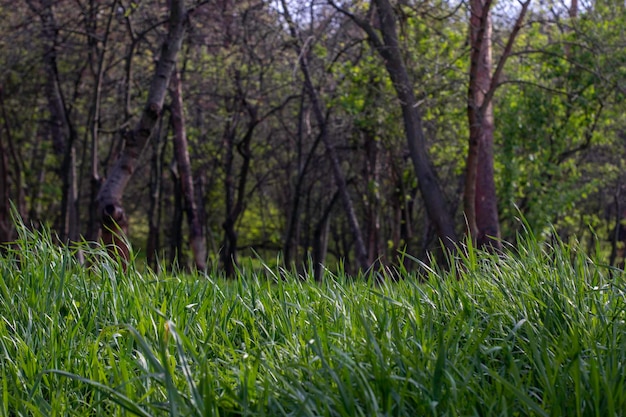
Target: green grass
541,332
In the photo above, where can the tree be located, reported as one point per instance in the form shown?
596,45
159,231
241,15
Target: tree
62,129
480,200
196,235
114,218
389,49
6,227
97,60
340,181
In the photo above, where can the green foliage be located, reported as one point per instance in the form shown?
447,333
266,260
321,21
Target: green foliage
558,159
535,332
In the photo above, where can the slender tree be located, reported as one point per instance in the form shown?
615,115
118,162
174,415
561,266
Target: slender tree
6,227
389,49
480,200
113,215
196,235
235,189
62,130
97,57
342,187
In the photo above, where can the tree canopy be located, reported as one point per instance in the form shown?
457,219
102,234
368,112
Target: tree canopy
315,131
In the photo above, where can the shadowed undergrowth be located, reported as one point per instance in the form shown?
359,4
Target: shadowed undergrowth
539,332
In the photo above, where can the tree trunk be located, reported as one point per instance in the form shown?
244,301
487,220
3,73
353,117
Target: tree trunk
113,217
389,50
432,194
196,236
176,226
72,219
372,174
342,187
293,230
38,167
93,225
320,240
62,133
6,225
235,194
290,250
480,201
154,211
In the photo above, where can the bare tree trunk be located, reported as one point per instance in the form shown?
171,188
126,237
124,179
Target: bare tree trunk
72,216
93,225
302,168
6,226
62,132
196,235
176,225
154,211
389,50
293,219
573,9
320,240
355,229
113,216
480,201
228,253
201,191
37,166
235,194
374,201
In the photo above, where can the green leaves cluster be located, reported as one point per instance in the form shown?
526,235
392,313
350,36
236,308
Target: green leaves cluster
560,156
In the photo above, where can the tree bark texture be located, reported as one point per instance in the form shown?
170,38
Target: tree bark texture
114,218
480,202
196,235
389,50
290,251
176,224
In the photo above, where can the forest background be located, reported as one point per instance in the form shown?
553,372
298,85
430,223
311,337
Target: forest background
323,131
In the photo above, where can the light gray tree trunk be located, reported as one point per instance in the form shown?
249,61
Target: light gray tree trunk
114,218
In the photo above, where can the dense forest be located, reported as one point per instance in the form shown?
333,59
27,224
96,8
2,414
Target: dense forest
318,131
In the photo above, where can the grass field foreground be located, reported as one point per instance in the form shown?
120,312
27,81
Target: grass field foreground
541,333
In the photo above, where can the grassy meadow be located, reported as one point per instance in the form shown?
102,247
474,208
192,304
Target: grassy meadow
539,332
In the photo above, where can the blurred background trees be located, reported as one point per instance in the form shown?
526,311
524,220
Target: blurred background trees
299,139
